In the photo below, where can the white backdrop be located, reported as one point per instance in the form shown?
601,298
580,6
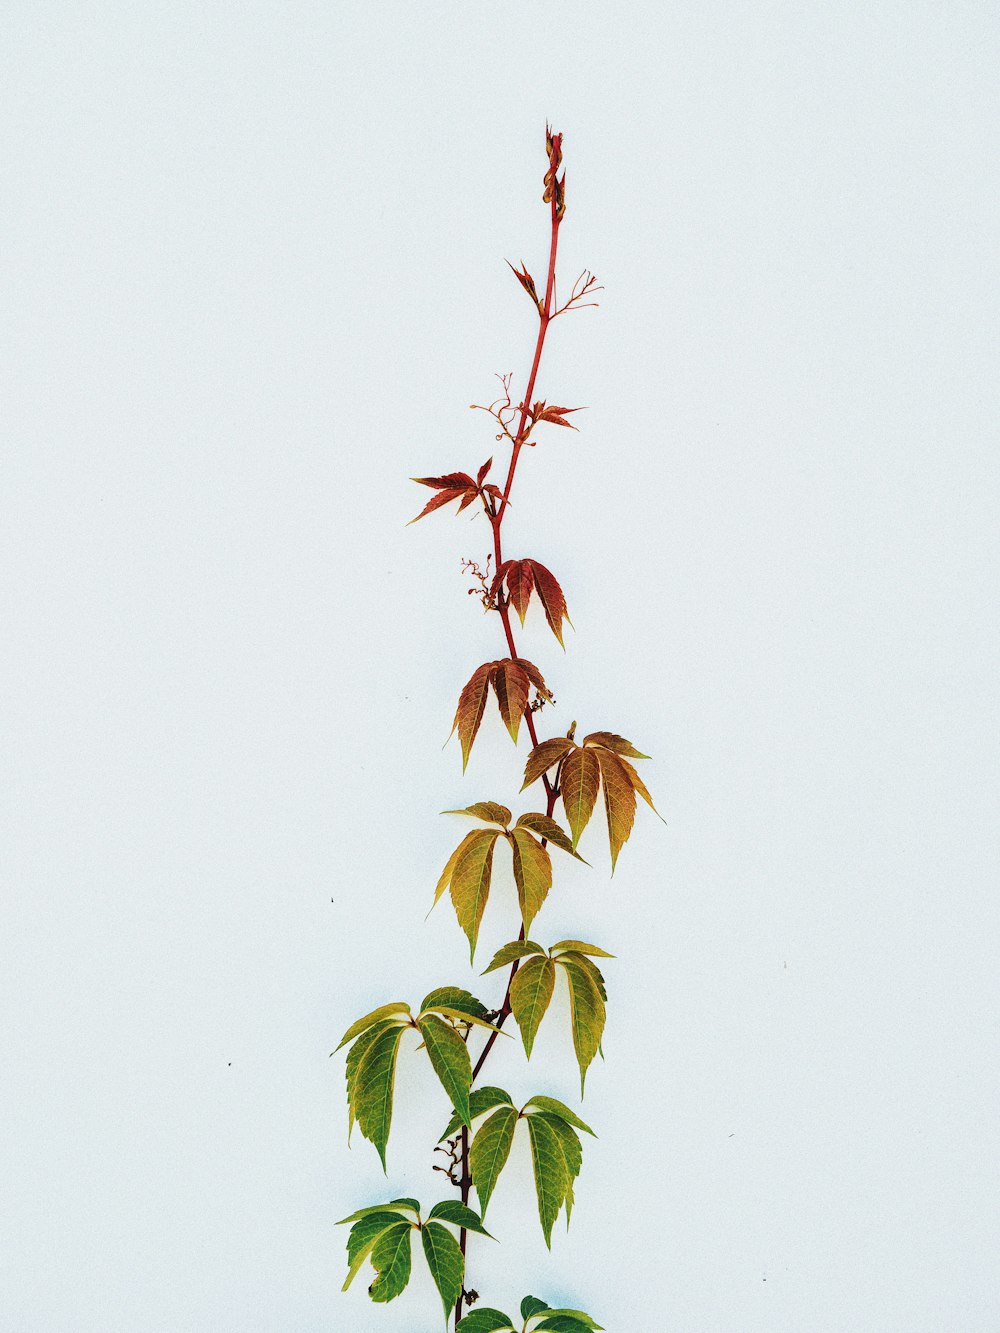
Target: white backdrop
253,277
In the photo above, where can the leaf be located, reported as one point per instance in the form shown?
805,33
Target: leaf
587,1014
520,581
619,800
446,1262
618,744
551,597
544,756
556,415
481,1101
449,869
532,874
412,1204
375,1082
354,1057
449,1056
489,1152
383,1011
551,1174
459,1215
579,779
453,997
488,811
512,687
549,830
525,279
561,1323
510,953
535,676
532,1305
395,1208
391,1260
578,946
471,706
470,882
363,1237
459,1017
589,966
443,498
640,787
581,1318
483,471
485,1320
572,1153
530,992
552,1106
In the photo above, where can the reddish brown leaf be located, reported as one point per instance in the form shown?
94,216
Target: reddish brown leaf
544,756
535,676
556,415
498,577
471,705
442,498
512,687
524,278
520,582
483,471
618,744
579,779
619,799
451,481
551,597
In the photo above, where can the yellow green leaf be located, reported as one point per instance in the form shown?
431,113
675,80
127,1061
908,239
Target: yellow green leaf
530,992
470,881
579,780
532,874
544,756
489,1152
619,800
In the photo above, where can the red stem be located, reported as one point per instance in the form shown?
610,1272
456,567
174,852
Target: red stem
545,319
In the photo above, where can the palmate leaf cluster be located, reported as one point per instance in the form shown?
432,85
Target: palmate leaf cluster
553,1135
535,1315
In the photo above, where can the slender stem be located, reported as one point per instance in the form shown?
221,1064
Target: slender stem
551,792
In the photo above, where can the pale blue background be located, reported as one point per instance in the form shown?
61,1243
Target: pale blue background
252,279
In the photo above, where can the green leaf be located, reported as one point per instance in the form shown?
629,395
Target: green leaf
459,1215
587,1014
555,1107
453,997
532,874
449,869
485,1320
355,1056
530,992
564,1324
446,1262
572,1152
461,1017
450,1057
578,1315
544,756
579,780
481,1101
510,953
380,1208
363,1237
391,1260
578,946
488,811
412,1204
532,1305
470,882
587,965
489,1152
375,1082
551,1174
548,828
383,1012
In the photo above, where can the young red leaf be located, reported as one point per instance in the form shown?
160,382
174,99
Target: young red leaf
520,582
535,676
551,597
483,471
525,279
510,681
556,415
471,705
443,498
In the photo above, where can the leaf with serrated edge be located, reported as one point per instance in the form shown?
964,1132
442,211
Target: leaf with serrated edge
354,1057
556,1323
395,1207
589,966
547,828
618,744
551,597
535,676
362,1240
578,946
510,953
489,1152
587,1014
485,1320
442,498
391,1260
512,689
579,779
471,706
413,1205
458,1215
520,582
470,882
449,1056
461,1017
532,874
454,997
544,756
383,1011
446,1262
375,1083
491,812
619,800
572,1153
530,992
550,1171
640,787
555,1107
532,1305
482,1100
584,1319
453,860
